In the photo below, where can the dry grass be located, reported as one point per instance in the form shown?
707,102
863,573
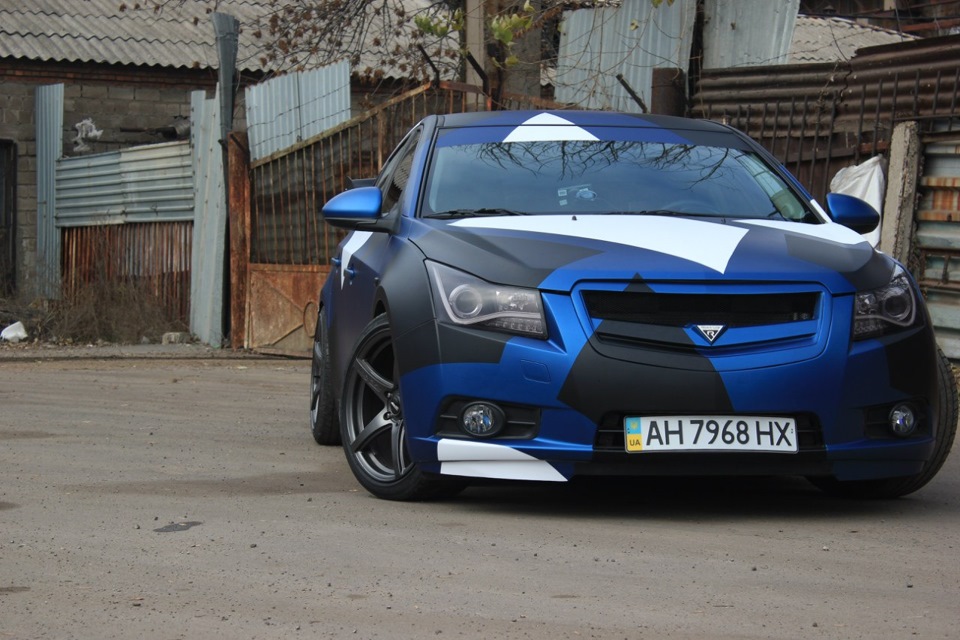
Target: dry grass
115,312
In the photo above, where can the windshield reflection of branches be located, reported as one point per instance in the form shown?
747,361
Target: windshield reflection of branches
573,159
556,158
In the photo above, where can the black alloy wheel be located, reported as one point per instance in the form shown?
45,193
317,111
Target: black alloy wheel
323,409
372,426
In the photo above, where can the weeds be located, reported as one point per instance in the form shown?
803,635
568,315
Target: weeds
116,312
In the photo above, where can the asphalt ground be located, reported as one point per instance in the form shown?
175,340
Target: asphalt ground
174,491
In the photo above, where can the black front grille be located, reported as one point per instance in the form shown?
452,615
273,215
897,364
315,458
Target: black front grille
681,310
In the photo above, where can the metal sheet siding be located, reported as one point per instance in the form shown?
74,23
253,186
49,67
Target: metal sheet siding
49,118
598,44
210,222
938,239
151,183
748,32
286,110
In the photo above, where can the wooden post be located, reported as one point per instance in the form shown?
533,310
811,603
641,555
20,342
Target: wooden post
238,204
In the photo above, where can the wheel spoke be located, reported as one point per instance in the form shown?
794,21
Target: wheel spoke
377,383
397,449
374,428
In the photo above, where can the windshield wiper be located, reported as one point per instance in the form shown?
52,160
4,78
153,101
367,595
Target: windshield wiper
471,213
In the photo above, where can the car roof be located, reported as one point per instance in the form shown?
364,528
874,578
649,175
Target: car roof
579,118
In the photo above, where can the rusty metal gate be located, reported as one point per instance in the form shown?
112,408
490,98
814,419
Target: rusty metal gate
280,248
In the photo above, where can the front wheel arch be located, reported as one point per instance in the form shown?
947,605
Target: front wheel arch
947,414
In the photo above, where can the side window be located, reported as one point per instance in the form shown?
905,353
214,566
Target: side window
397,171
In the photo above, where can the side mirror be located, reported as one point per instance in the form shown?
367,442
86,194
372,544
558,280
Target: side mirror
852,212
355,208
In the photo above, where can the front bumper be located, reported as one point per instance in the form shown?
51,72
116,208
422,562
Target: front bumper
580,390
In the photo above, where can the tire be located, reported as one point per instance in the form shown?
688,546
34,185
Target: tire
946,429
323,409
372,428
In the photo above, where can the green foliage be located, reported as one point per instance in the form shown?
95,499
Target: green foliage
504,28
438,27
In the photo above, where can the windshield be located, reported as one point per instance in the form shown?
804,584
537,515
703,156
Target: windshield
537,177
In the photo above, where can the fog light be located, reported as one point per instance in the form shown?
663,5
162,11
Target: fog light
903,421
482,420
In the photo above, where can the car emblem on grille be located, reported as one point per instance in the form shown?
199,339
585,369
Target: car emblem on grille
711,331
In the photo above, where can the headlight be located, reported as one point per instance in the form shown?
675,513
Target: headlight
467,300
886,309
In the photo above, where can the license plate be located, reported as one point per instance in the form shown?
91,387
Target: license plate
645,434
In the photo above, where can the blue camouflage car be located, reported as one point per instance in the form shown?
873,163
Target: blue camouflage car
543,295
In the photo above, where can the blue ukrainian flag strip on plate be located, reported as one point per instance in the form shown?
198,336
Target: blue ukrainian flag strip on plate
634,434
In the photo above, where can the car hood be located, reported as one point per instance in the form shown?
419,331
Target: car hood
557,252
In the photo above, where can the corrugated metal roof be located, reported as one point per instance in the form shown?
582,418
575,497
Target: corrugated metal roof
99,31
833,39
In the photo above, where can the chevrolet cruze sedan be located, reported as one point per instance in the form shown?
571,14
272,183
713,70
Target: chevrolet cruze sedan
534,296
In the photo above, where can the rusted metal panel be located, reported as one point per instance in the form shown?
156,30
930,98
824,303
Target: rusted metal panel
238,205
154,257
282,307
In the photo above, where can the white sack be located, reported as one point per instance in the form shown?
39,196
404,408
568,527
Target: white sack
14,333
